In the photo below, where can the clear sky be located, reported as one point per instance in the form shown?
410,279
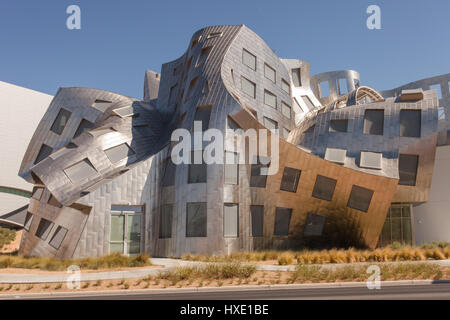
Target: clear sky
119,40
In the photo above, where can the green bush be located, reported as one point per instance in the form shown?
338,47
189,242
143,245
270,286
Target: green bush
6,236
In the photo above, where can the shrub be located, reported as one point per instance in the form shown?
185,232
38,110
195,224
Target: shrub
285,259
6,236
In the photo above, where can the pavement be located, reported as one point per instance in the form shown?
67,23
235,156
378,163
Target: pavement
164,265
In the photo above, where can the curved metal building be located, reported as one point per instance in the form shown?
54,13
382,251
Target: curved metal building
344,159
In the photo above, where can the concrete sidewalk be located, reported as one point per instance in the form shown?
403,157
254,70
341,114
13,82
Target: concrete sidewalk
165,264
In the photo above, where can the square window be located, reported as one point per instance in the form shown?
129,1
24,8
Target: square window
249,59
61,120
44,229
101,105
410,123
360,198
270,73
258,179
196,219
296,79
231,168
373,122
248,87
85,125
407,167
290,179
44,152
80,170
270,124
324,188
286,109
197,172
120,152
257,217
371,160
282,221
230,220
338,125
270,99
165,221
58,237
285,86
314,225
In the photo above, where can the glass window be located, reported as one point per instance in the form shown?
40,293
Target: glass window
324,89
270,124
249,59
231,171
286,110
165,225
230,220
44,229
373,122
101,105
126,112
285,86
44,152
360,198
270,73
410,123
120,152
270,99
290,179
437,87
338,125
125,229
214,35
282,221
85,125
308,102
257,216
61,120
80,170
196,219
407,167
314,225
258,179
58,237
371,160
248,87
296,79
342,86
197,172
324,188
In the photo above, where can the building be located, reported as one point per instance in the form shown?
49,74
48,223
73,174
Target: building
353,164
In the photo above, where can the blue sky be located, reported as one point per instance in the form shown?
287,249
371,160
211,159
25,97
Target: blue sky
119,40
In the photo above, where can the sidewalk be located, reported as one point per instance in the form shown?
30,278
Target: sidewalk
166,264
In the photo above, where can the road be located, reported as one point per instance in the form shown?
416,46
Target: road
428,291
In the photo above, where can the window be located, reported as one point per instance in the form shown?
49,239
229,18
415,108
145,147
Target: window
196,219
360,198
314,225
373,122
125,112
286,133
58,237
203,114
169,173
120,152
44,229
44,152
101,105
270,124
231,168
230,220
28,221
214,35
192,85
286,110
397,227
324,188
60,122
308,102
258,179
298,106
173,94
296,79
270,73
165,221
290,179
85,125
285,86
282,221
437,87
257,217
338,126
410,123
203,55
407,167
270,99
336,155
342,86
370,160
197,172
125,229
80,170
324,89
248,87
249,59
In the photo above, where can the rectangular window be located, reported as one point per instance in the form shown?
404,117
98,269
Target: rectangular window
196,219
371,160
282,221
298,106
120,152
44,152
270,73
290,179
58,237
203,114
410,123
407,167
373,122
197,172
324,89
85,125
101,105
308,102
342,86
270,99
80,170
169,173
257,217
338,125
61,120
126,112
248,87
324,188
314,225
270,124
286,110
258,179
360,198
214,35
44,229
336,155
231,168
249,59
165,221
296,79
437,87
230,220
285,86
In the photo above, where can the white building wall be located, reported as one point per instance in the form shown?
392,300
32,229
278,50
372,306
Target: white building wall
21,111
432,219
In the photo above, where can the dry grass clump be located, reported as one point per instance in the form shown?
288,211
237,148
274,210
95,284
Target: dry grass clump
285,259
111,261
6,236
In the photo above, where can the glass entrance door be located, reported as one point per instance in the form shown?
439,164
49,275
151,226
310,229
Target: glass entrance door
125,230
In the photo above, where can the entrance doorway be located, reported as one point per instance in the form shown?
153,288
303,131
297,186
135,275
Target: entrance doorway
126,229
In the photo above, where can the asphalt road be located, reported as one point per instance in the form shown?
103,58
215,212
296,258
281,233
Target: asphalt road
429,291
